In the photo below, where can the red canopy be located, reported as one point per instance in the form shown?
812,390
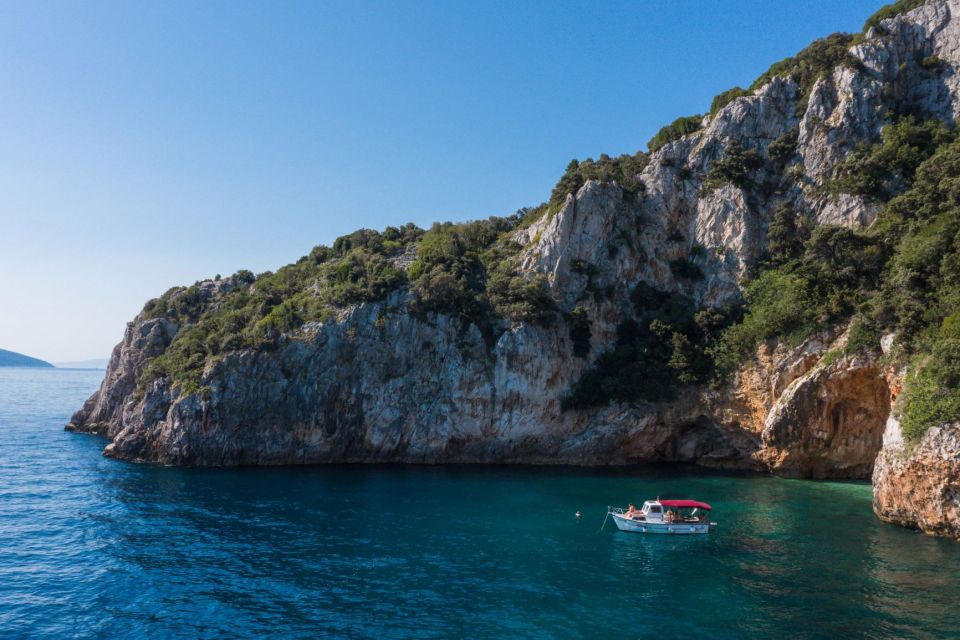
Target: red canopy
686,504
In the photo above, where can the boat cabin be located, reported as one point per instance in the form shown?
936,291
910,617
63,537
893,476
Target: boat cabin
670,511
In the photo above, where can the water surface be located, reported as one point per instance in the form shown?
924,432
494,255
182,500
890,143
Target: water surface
93,547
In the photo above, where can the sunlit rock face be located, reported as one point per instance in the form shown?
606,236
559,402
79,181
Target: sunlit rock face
919,486
829,423
380,384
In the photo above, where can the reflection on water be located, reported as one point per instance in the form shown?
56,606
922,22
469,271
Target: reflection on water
96,547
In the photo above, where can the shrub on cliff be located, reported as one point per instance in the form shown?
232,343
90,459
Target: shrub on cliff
359,276
449,275
932,390
836,273
519,297
624,170
785,236
580,332
674,131
812,63
882,170
737,167
662,348
726,97
891,10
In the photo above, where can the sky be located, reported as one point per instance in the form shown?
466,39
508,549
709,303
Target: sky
150,144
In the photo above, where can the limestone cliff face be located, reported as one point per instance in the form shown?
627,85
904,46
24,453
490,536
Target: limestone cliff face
919,486
379,383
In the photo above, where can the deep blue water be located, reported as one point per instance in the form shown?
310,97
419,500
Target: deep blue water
91,547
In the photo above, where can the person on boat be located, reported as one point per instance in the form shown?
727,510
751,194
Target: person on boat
632,510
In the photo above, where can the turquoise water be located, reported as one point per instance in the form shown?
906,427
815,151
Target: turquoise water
98,548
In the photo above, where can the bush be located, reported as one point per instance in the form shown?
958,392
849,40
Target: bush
625,170
782,150
580,333
882,170
359,276
863,336
785,236
674,131
663,347
932,63
932,394
469,269
891,11
778,304
685,269
522,298
737,167
922,228
723,99
814,62
448,275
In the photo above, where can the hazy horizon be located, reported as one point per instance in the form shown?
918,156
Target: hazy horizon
155,145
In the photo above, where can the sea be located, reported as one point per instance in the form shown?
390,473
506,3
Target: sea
97,548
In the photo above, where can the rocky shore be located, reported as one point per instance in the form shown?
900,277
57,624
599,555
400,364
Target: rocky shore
380,383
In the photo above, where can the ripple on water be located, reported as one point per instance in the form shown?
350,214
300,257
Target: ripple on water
95,547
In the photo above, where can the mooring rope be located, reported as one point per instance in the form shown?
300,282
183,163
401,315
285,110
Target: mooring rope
605,520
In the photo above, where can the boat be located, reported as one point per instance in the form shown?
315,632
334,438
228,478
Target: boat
664,516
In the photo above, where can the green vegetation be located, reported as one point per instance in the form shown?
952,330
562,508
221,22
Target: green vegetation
863,336
932,393
737,167
880,171
829,280
664,348
723,99
624,170
932,63
813,63
465,269
902,274
469,269
580,332
254,311
674,131
891,11
685,269
782,150
785,236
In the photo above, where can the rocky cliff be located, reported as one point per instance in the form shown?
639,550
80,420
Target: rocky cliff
388,380
918,486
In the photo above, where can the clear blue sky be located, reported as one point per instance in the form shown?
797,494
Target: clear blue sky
148,144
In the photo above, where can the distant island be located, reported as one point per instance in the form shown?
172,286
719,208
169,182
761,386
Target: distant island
14,359
96,363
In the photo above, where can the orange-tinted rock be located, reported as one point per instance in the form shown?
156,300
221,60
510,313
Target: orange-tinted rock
919,486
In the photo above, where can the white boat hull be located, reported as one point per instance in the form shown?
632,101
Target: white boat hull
674,528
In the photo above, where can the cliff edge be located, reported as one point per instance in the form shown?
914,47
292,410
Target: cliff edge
718,300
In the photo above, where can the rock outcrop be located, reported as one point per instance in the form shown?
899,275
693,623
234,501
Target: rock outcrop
829,423
919,486
379,383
